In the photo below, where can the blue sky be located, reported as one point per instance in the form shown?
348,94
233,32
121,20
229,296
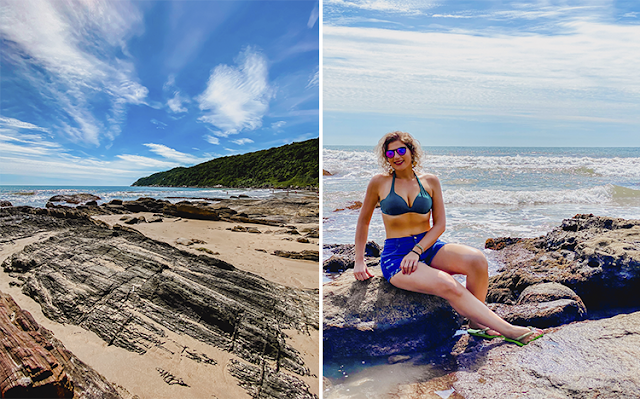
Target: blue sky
482,72
105,92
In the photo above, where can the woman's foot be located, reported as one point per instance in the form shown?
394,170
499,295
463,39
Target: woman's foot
485,330
528,334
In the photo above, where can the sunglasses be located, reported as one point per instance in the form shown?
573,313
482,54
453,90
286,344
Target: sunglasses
400,150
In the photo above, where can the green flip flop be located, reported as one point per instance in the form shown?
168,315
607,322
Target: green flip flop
533,330
482,333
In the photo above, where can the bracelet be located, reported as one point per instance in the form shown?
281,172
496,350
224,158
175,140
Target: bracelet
415,253
419,246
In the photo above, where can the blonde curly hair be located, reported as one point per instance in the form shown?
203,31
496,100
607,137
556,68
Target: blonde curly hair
412,144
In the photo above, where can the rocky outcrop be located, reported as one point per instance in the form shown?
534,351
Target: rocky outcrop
5,203
344,256
543,305
35,364
74,198
597,257
373,318
191,211
581,360
129,290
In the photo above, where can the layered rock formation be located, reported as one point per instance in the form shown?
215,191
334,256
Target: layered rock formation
130,290
35,364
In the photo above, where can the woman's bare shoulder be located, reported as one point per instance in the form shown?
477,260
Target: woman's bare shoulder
429,178
380,179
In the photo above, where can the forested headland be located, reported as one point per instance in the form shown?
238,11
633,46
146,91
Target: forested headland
292,165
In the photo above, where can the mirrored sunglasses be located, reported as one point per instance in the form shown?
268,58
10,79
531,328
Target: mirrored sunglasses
401,151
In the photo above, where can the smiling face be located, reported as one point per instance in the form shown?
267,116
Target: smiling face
399,162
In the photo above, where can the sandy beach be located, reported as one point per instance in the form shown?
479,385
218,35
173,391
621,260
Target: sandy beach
155,373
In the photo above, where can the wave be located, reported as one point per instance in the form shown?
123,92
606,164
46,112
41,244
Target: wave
607,194
344,161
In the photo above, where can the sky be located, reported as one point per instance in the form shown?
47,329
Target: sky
105,92
543,73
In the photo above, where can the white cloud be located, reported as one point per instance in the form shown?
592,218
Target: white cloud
147,162
174,155
242,141
15,123
438,74
212,140
314,80
410,7
236,98
66,51
277,126
313,18
175,103
159,125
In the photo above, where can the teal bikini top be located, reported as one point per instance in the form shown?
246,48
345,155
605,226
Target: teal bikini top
394,204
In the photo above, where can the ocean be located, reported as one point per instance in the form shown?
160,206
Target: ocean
38,196
488,192
493,191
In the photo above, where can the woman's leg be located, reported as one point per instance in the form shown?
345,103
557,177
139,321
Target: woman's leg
428,280
471,262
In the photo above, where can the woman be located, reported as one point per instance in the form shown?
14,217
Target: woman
414,258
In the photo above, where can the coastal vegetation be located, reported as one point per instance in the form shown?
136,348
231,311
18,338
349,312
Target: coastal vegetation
291,165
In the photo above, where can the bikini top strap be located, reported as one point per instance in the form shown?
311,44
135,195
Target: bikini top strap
393,183
420,184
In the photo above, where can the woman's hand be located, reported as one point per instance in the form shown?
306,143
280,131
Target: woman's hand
409,263
361,271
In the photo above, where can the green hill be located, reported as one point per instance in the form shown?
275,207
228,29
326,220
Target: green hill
292,165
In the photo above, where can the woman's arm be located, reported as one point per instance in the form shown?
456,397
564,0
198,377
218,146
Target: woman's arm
360,270
409,263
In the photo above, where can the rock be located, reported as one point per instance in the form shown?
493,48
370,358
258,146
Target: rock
253,230
543,305
239,228
303,240
132,219
145,204
35,364
92,203
337,263
189,241
547,292
326,173
243,196
5,203
74,198
597,257
372,249
154,219
580,360
304,255
373,318
190,211
352,205
128,289
501,242
207,250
